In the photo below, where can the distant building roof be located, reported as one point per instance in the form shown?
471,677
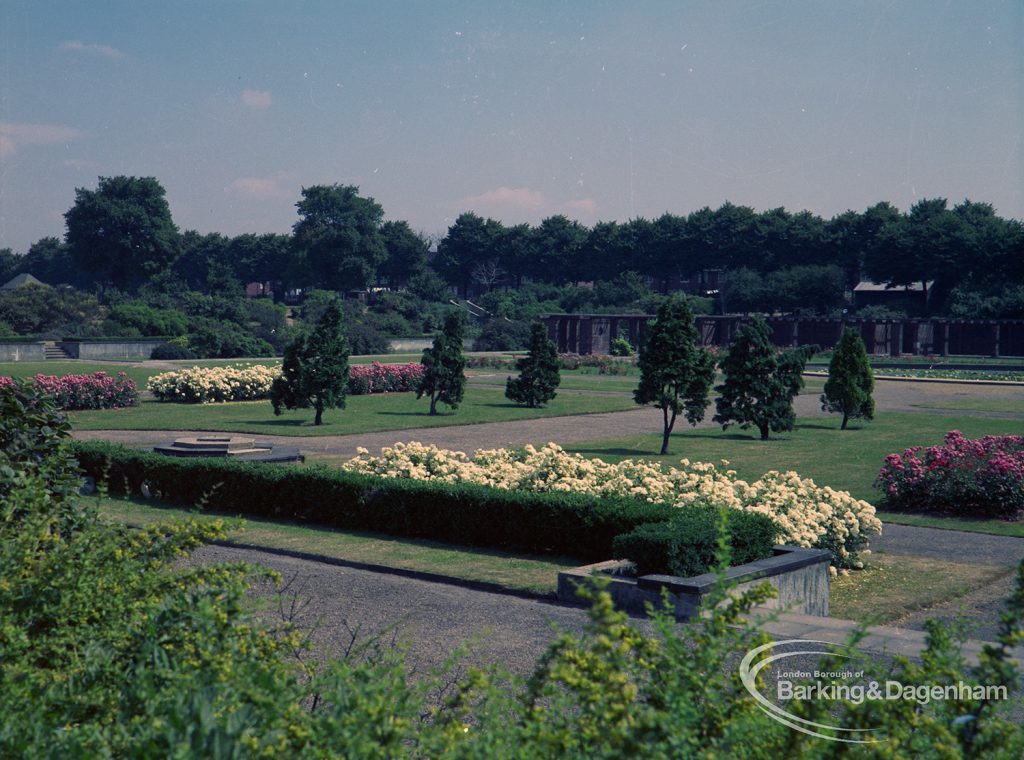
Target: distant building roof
20,281
867,286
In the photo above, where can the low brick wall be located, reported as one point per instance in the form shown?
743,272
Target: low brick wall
22,352
128,349
799,575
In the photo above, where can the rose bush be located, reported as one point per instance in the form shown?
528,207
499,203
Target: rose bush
809,515
983,476
76,392
206,385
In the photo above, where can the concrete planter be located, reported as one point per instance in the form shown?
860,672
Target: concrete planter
799,575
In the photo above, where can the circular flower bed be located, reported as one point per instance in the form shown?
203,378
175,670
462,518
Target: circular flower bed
809,515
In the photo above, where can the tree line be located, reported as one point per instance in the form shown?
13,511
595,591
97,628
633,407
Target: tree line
122,236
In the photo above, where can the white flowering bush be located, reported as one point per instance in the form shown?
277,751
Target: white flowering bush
207,385
809,515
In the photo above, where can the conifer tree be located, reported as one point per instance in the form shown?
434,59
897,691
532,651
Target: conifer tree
760,382
850,381
538,371
444,379
676,371
315,369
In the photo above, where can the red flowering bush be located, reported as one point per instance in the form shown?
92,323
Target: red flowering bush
383,378
96,391
983,476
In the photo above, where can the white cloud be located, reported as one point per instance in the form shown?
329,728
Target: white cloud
506,197
582,205
77,46
259,99
14,135
258,188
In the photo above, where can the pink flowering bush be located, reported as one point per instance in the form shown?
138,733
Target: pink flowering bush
983,476
383,378
96,391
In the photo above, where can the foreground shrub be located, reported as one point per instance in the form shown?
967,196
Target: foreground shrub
983,476
76,392
809,515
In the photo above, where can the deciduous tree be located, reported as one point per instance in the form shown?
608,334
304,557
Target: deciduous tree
122,233
338,234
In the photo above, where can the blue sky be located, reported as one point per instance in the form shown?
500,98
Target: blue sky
598,110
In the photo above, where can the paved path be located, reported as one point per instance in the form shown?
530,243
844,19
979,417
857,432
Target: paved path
891,396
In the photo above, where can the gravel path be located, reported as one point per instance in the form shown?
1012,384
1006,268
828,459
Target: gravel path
433,618
892,396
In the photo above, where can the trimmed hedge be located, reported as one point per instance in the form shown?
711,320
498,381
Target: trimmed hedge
569,524
686,544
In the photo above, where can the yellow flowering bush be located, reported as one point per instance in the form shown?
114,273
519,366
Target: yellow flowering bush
207,385
809,515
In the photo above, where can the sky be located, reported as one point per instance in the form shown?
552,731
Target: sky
518,111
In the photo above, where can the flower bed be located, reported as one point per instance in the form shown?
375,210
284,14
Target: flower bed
383,378
76,392
207,385
983,476
809,515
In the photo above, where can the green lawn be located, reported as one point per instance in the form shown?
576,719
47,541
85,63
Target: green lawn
892,586
846,460
362,414
511,570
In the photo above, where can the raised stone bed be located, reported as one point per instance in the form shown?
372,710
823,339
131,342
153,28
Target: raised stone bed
800,576
233,446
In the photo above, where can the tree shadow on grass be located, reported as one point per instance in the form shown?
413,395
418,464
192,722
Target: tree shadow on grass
415,414
700,436
277,422
615,451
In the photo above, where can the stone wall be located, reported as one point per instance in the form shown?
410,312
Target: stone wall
590,333
22,352
114,350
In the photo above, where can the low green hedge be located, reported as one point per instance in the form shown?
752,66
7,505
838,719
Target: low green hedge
571,524
686,544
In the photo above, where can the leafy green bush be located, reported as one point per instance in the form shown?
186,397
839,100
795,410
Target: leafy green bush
171,351
621,347
215,339
502,335
687,544
144,320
